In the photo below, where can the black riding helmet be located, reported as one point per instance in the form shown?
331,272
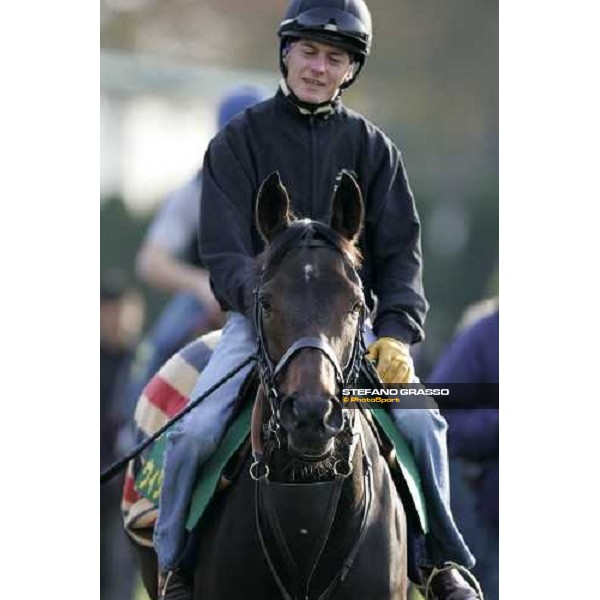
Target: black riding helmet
342,23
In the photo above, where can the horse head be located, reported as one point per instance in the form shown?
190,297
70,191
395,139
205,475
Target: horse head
309,312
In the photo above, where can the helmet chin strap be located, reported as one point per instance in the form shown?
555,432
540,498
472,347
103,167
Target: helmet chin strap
308,108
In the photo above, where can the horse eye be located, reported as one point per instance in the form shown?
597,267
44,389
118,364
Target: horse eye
357,307
265,305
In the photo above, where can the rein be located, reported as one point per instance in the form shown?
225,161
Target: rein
117,466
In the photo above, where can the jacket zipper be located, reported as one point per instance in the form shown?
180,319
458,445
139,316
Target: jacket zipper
313,163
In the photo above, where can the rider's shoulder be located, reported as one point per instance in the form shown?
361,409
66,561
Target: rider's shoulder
251,118
377,141
243,119
368,127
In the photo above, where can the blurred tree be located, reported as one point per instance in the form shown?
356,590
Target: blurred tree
459,270
121,233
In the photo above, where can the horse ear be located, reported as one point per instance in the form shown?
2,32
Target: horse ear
272,208
347,210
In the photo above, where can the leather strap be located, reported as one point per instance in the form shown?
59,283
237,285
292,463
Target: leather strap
300,588
310,342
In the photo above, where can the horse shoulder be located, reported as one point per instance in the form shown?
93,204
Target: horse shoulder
387,535
228,545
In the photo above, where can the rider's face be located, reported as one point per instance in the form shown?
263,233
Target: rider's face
316,71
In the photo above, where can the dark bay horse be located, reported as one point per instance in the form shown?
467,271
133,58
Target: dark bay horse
314,513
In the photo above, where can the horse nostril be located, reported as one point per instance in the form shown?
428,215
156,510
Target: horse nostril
288,412
334,417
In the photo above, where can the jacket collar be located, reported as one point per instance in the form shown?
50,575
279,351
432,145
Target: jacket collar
323,110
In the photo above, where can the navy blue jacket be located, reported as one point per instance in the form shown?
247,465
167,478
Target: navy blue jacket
473,433
309,151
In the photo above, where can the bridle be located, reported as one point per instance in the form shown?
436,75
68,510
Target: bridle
270,370
327,494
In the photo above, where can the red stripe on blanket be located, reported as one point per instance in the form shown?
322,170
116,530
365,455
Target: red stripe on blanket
163,395
129,492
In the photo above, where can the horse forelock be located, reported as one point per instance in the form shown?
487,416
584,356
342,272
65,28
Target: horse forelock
298,233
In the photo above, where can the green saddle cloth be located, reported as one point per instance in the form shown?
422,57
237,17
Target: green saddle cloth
235,436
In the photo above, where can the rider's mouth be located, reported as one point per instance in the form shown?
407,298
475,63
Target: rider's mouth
313,82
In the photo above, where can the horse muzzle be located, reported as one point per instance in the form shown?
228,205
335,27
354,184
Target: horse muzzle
311,424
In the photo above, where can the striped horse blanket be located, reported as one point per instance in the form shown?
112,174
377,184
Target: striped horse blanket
166,394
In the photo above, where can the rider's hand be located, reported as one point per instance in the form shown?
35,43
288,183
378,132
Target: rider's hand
393,360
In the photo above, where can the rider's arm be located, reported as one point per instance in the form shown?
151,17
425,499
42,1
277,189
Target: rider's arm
226,220
157,267
395,234
158,262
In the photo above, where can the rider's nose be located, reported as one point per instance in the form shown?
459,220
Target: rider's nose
318,64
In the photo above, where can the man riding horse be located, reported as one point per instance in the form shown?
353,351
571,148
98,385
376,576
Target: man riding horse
306,134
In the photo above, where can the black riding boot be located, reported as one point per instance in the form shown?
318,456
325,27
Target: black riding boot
448,583
174,585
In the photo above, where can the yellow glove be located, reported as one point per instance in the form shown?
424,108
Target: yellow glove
394,363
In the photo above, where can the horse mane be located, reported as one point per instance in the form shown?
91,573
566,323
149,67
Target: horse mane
304,230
